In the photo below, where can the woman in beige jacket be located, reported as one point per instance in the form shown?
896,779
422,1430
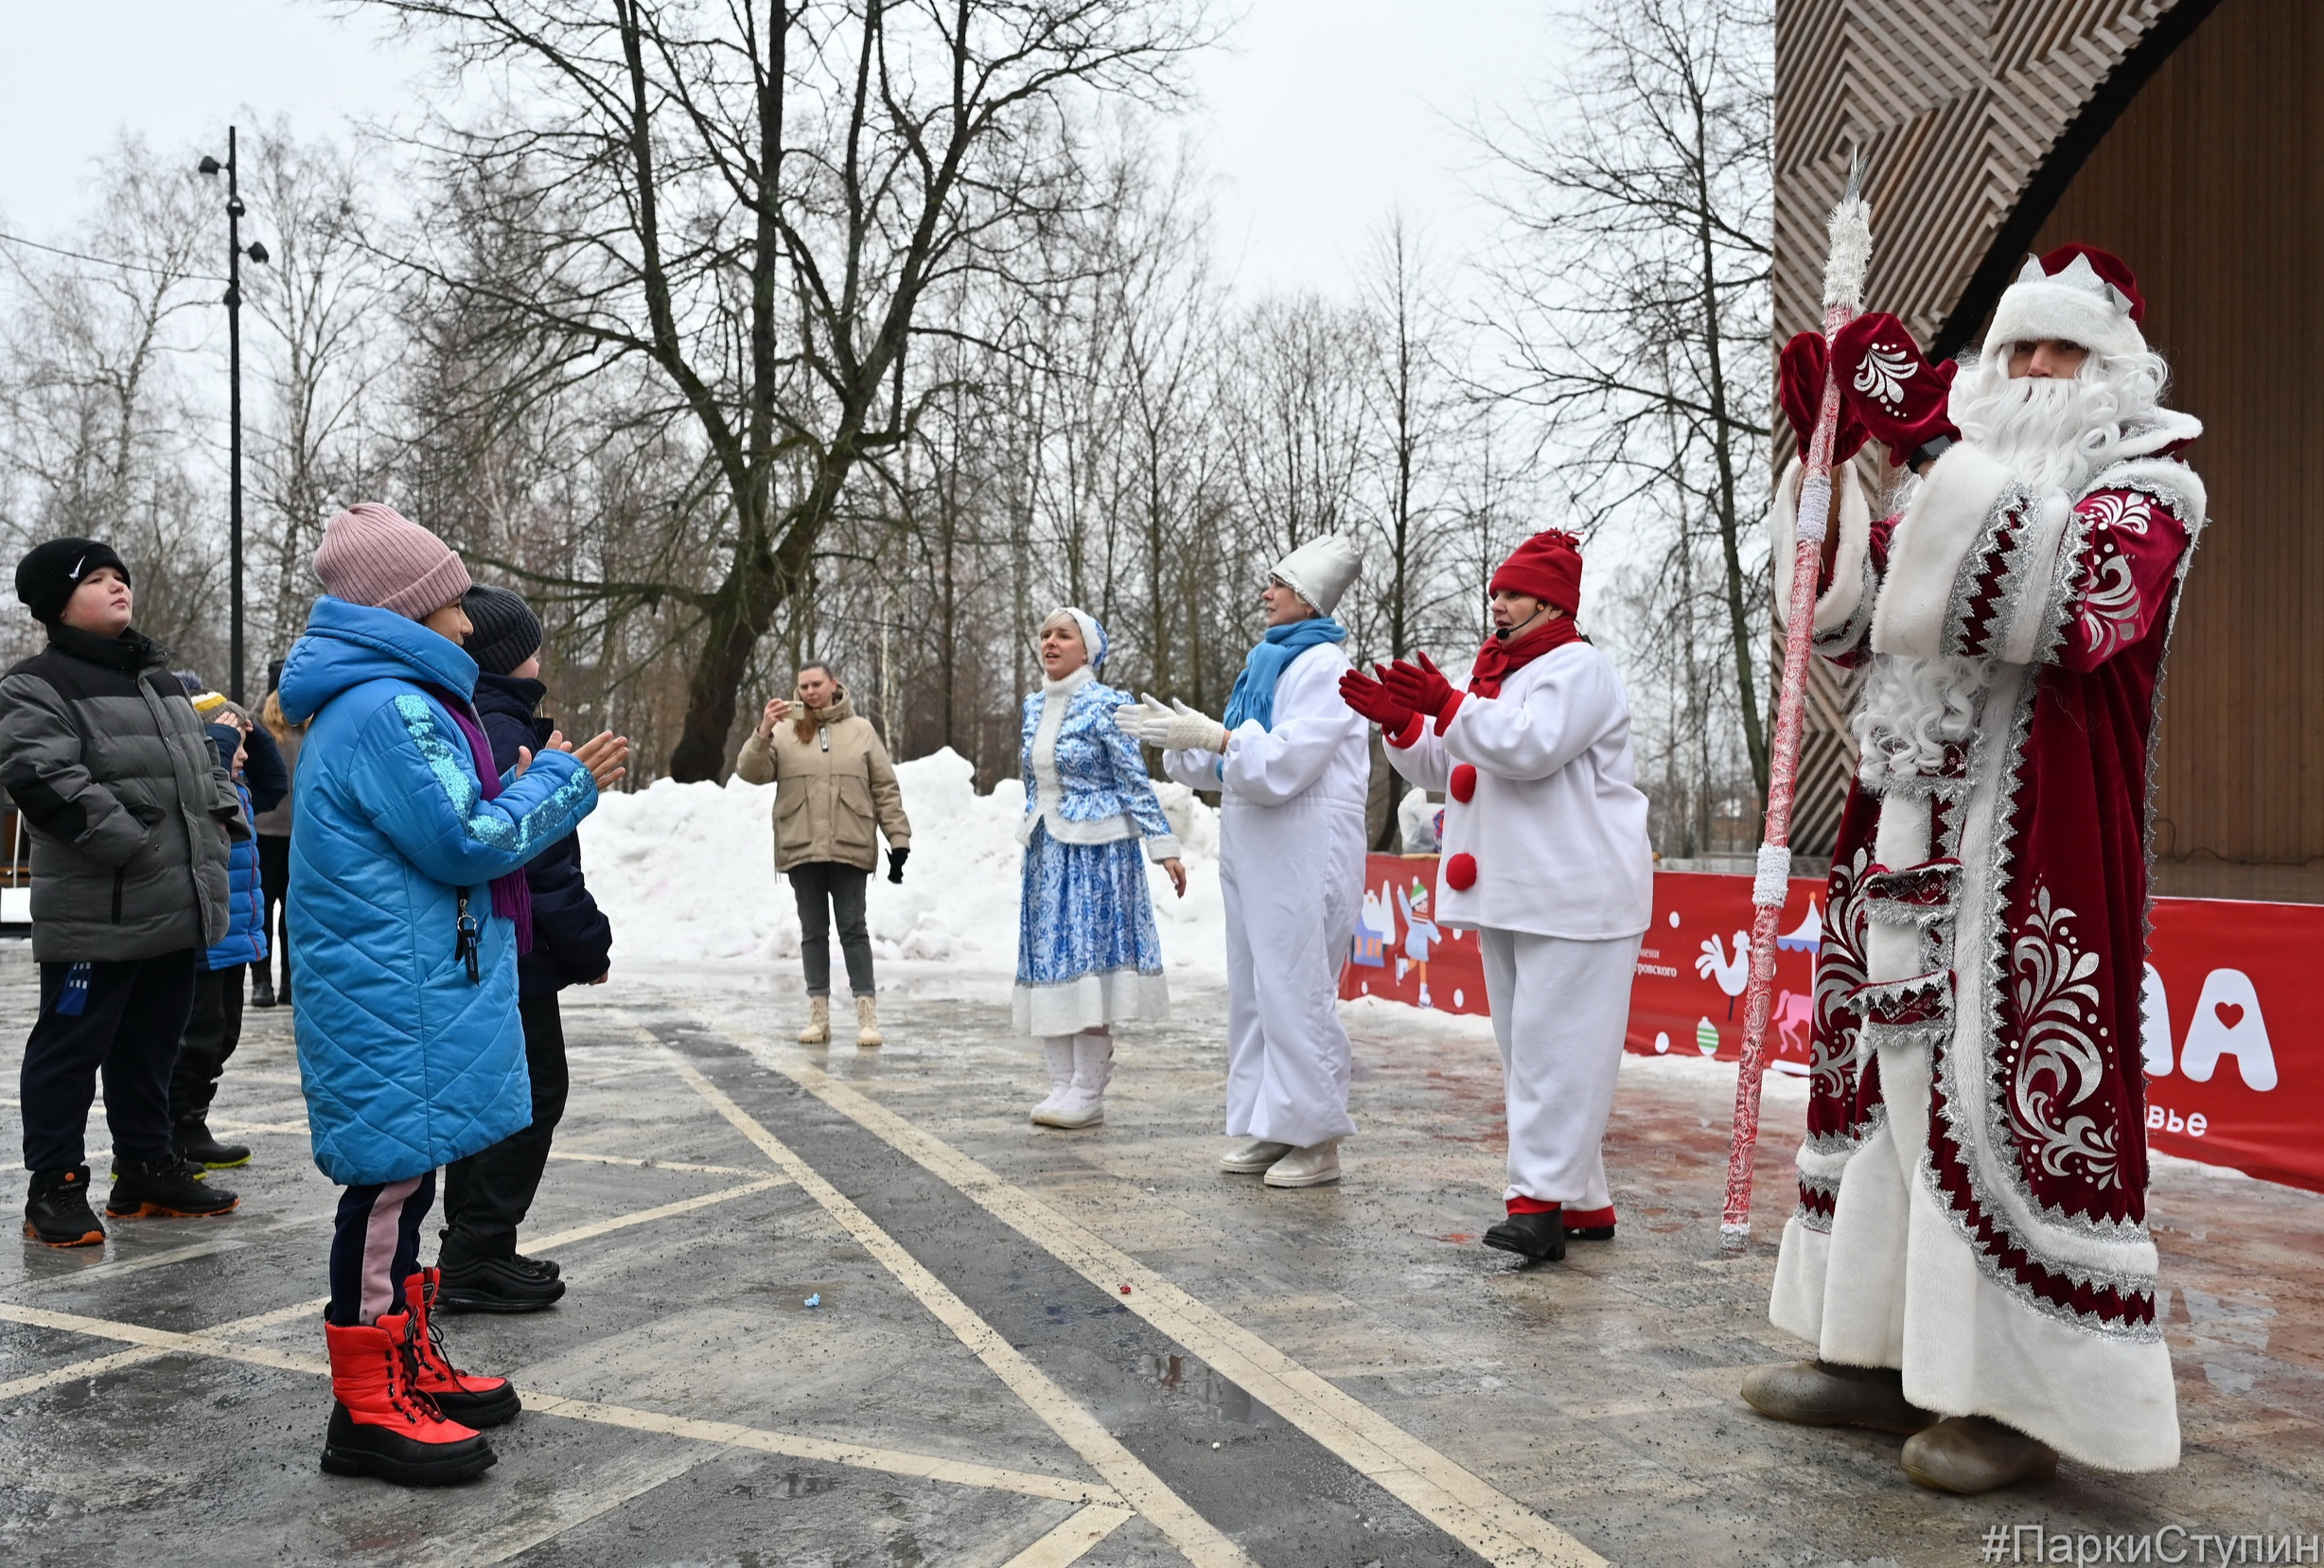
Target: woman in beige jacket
834,784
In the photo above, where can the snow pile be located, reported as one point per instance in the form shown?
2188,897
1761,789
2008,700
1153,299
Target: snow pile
686,872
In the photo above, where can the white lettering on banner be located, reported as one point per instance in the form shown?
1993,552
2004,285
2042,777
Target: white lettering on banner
2154,1024
2227,1022
2162,1118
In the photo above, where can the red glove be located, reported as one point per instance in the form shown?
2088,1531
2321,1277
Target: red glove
1422,688
1372,700
1900,396
1799,387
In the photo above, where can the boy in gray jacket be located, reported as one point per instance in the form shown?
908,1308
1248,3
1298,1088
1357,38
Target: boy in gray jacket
129,812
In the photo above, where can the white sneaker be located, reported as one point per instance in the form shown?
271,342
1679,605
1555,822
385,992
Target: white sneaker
1314,1166
1252,1155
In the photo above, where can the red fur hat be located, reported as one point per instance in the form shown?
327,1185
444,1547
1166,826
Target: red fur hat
1548,566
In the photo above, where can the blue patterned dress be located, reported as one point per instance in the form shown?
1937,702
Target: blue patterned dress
1088,950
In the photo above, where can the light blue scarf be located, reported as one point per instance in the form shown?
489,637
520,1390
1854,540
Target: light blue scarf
1253,693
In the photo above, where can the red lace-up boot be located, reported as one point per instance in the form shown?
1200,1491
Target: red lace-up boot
382,1424
466,1397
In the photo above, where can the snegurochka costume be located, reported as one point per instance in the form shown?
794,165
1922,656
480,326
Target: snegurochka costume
1971,1237
1293,770
1545,858
1088,955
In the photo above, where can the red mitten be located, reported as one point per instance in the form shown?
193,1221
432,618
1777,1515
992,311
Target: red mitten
1900,396
1420,687
1799,387
1375,701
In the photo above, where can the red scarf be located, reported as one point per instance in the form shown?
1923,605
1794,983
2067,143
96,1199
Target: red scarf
1503,657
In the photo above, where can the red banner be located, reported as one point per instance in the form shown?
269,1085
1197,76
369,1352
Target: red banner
2220,1088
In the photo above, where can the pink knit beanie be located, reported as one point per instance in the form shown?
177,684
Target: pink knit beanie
372,554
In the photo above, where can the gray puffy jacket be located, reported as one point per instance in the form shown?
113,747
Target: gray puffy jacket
121,786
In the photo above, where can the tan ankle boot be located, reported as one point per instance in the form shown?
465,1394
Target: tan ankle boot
1972,1454
868,1023
818,1022
1820,1393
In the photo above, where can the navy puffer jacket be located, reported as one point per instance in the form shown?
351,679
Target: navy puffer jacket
573,942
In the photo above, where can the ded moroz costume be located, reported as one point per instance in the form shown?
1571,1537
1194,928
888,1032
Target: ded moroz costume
1292,772
1970,1241
1545,858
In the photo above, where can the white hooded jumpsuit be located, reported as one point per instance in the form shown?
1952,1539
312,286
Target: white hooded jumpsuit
1291,864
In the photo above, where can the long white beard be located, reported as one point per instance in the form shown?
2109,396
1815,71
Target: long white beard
1912,711
2055,434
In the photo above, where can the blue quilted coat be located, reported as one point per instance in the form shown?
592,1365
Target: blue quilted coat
245,938
408,1062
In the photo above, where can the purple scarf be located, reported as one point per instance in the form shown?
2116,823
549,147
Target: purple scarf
511,894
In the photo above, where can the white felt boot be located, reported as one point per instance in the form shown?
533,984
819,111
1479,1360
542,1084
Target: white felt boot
1093,1068
1059,1050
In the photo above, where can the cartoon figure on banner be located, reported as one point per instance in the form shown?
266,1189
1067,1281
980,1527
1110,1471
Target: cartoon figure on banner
1734,974
1420,934
1375,929
1795,1020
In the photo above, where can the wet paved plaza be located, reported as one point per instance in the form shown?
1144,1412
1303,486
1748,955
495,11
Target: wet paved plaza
1339,1376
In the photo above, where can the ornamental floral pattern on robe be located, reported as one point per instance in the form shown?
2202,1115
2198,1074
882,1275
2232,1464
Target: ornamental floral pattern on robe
2029,915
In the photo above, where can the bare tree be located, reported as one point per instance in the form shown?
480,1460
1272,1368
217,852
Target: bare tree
758,201
1636,308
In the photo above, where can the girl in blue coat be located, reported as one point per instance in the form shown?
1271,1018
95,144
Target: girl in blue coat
405,910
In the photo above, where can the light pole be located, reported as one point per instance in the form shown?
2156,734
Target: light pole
235,251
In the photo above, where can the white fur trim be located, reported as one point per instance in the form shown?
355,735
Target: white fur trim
2053,309
1772,878
2034,566
1944,524
1842,599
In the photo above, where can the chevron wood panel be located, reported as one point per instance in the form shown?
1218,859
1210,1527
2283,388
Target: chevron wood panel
1956,104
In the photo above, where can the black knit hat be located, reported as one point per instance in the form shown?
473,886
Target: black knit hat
47,575
505,633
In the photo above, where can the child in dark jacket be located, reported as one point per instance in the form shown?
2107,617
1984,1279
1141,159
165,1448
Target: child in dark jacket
488,1194
216,1026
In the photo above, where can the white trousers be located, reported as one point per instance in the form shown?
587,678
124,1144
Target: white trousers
1293,876
1559,1009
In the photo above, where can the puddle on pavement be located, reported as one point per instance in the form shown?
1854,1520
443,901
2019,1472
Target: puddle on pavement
1184,1378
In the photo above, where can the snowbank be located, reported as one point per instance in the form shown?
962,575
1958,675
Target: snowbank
687,874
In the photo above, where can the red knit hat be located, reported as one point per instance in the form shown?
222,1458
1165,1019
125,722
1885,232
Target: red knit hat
1548,566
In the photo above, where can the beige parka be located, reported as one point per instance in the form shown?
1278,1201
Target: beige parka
831,788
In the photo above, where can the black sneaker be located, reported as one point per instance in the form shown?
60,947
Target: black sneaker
495,1285
545,1267
195,1143
1539,1237
163,1189
57,1212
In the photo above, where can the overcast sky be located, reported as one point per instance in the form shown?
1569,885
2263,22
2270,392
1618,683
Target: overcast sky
1318,116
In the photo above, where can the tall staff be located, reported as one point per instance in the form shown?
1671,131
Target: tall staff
1849,232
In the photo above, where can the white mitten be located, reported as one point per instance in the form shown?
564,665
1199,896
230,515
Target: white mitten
1192,731
1148,720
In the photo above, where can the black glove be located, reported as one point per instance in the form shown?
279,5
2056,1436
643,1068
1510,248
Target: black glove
895,864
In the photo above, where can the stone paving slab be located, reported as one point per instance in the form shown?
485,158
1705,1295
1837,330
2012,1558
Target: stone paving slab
690,1408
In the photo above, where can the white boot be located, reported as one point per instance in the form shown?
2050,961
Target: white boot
868,1023
818,1022
1312,1165
1059,1050
1251,1155
1093,1067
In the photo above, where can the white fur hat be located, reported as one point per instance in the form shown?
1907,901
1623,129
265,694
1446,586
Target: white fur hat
1321,570
2069,295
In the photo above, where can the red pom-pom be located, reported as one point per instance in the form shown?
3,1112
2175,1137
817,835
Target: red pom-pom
1460,873
1464,783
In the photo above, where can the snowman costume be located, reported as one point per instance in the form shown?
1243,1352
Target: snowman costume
1293,769
1545,858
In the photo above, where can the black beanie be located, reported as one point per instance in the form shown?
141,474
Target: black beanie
503,632
47,575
